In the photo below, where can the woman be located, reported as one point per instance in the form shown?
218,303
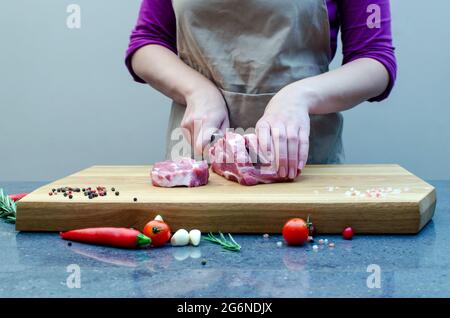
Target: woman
264,64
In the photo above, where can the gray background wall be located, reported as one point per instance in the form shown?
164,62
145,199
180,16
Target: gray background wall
67,102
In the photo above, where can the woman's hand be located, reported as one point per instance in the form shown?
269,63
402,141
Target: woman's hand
283,130
206,112
286,119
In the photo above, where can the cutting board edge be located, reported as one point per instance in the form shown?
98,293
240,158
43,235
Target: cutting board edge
258,220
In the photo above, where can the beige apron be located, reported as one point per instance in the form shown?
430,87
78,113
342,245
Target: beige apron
250,49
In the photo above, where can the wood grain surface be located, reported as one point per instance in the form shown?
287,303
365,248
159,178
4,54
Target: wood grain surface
334,196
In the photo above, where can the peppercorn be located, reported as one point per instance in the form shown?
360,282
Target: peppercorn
70,196
58,190
203,262
77,190
69,244
90,196
83,189
65,194
113,189
53,190
50,193
135,199
117,193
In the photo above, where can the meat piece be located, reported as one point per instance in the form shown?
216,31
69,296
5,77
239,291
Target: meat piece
182,172
236,158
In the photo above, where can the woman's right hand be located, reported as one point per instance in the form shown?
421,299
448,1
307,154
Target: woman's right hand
206,112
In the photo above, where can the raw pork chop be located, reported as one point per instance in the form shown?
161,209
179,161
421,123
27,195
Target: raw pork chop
235,158
182,172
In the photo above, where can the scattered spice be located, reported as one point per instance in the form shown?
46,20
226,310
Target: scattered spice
331,245
347,234
315,247
117,193
135,199
321,241
279,244
203,262
266,236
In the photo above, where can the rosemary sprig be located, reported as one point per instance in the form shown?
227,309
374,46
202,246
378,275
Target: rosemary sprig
7,208
228,244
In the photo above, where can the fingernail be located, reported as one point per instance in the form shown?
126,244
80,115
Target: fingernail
282,172
301,165
291,173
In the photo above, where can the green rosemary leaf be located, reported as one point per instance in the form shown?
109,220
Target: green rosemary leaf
7,208
230,245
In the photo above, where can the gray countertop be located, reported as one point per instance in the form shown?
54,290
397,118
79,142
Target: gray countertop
39,265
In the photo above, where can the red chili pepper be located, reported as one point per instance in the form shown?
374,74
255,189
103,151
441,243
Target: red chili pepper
112,236
18,196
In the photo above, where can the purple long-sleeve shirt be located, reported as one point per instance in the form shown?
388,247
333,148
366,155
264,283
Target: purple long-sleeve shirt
156,25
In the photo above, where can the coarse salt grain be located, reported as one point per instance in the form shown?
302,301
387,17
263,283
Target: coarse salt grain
321,242
315,247
279,244
331,244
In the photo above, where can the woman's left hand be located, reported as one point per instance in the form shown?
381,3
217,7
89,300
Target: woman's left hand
286,121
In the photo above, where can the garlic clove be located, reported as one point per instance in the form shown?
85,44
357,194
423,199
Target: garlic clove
180,238
194,237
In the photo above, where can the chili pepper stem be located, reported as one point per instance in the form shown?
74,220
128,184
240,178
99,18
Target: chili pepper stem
143,240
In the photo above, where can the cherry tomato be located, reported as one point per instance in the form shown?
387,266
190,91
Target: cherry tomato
347,234
158,231
296,232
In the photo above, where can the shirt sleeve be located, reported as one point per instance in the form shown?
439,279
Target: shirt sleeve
155,25
362,38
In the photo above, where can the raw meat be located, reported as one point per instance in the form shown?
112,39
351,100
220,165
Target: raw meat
235,157
182,172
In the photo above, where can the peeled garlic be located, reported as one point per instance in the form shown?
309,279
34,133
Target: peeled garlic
159,218
194,237
180,238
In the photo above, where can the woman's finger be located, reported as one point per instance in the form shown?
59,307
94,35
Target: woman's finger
187,129
304,143
264,141
292,133
278,132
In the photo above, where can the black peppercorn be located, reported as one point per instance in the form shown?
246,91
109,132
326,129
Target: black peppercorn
113,189
70,196
204,262
69,244
135,199
117,193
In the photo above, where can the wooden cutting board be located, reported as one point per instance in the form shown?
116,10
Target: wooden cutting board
370,198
